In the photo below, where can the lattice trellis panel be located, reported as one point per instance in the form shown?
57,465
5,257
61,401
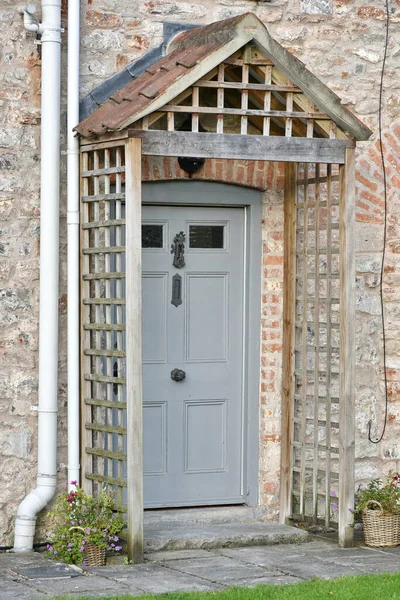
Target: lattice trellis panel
103,321
246,94
315,428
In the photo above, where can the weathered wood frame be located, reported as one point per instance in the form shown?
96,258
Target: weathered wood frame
323,201
291,150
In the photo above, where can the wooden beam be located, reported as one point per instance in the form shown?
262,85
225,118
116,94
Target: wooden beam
253,112
101,142
289,317
347,351
133,205
246,147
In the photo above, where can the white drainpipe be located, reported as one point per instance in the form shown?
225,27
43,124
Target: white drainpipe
73,243
37,499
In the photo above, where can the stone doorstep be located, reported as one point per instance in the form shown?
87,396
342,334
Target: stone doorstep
171,535
211,514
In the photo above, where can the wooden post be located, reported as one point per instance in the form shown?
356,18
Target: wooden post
133,210
288,340
86,386
347,350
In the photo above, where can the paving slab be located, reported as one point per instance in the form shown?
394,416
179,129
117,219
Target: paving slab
221,569
165,556
196,570
155,578
11,590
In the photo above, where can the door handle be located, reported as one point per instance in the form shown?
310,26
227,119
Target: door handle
178,375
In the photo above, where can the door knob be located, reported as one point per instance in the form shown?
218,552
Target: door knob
178,375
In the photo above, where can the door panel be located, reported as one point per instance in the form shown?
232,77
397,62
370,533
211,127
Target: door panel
193,428
206,326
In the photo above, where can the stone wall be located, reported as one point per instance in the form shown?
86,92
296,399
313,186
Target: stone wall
341,42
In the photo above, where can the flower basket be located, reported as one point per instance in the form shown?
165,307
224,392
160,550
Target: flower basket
94,556
380,529
85,527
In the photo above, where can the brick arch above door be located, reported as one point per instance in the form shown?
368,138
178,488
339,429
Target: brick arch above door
258,174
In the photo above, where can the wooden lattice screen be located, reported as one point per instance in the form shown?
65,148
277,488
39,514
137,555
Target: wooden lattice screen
316,382
318,407
103,321
248,95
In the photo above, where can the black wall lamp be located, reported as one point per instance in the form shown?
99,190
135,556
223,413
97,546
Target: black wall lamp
190,164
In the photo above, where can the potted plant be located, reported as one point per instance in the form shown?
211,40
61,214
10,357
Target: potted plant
378,504
84,528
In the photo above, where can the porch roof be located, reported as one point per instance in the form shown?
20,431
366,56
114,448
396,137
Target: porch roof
191,55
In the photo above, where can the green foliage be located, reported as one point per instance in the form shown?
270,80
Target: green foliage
81,519
366,587
386,492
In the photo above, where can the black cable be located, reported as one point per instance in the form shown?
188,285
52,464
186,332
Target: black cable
379,439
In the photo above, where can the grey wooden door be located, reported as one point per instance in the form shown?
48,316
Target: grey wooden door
193,322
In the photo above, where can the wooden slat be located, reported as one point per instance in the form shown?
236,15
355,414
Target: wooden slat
333,325
103,378
134,348
96,352
103,301
103,327
248,86
314,300
86,411
106,453
212,110
321,227
246,147
288,340
316,344
108,223
112,275
108,140
314,446
110,480
267,101
289,110
103,250
96,172
244,100
100,197
106,403
303,352
220,97
329,276
321,180
347,353
333,399
195,104
105,429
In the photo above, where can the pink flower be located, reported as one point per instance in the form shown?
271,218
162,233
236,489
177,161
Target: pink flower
117,548
74,482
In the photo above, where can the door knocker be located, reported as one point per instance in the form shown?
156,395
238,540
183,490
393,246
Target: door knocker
178,249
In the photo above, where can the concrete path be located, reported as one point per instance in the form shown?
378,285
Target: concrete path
190,570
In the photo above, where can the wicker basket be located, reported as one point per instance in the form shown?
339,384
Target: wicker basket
380,529
93,556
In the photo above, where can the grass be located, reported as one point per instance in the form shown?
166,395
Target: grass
365,587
